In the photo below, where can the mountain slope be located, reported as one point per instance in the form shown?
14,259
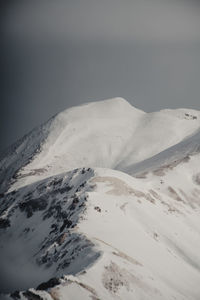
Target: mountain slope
110,134
78,229
134,235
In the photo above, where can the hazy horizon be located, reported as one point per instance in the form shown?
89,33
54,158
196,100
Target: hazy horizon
57,55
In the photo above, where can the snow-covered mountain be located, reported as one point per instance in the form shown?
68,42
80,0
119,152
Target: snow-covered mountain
103,202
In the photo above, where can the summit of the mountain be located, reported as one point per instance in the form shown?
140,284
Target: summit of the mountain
109,134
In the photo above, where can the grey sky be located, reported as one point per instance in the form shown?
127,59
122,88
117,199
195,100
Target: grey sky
57,54
111,20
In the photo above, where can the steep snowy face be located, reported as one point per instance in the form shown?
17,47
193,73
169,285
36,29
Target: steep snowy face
38,231
92,134
102,234
111,134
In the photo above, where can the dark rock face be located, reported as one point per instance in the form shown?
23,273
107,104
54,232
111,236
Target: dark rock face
190,116
49,284
41,218
20,154
15,295
31,296
33,205
4,223
66,223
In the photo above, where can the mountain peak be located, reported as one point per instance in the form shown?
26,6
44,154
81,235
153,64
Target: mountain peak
110,108
109,133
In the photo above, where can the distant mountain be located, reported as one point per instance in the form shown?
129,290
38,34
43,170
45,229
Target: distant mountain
103,202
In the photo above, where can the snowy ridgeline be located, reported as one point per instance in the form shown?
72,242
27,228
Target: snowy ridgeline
103,202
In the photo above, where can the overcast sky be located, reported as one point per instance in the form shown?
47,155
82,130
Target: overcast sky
55,54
